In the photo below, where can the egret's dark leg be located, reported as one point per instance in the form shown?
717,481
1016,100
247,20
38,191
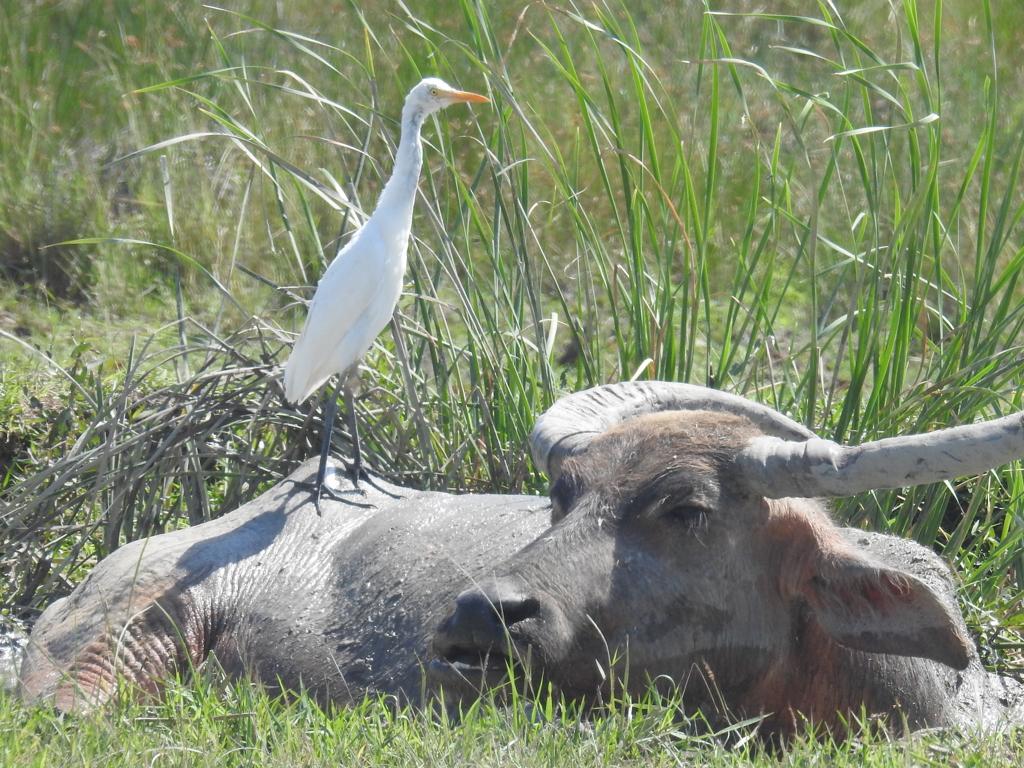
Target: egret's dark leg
330,412
356,469
319,488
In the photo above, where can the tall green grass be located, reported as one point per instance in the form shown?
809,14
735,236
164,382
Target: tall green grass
820,211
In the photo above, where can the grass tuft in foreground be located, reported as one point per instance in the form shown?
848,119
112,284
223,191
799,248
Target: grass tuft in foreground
204,725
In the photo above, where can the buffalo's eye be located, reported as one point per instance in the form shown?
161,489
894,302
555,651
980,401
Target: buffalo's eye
562,494
690,515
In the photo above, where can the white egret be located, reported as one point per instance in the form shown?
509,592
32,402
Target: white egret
357,294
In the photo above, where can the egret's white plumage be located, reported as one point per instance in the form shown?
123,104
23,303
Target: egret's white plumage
357,295
353,303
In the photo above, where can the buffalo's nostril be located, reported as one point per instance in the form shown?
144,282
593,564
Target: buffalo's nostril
517,609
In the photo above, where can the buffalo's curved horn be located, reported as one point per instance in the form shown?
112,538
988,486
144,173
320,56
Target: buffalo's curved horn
569,425
779,468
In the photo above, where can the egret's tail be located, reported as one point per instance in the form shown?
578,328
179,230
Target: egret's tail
301,377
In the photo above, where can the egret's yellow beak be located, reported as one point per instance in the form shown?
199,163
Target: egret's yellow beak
468,96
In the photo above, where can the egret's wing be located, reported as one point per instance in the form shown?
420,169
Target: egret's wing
337,314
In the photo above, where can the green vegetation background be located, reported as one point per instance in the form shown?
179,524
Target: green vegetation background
813,204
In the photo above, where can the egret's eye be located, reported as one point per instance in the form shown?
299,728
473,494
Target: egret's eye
433,91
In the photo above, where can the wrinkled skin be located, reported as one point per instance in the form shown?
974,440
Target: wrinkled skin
656,557
339,605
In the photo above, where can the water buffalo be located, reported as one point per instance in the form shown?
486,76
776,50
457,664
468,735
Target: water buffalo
681,543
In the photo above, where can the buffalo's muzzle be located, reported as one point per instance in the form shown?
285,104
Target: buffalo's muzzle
479,635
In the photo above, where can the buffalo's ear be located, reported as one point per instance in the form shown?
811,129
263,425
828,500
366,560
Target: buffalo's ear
872,607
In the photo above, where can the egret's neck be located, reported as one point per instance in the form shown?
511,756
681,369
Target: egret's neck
400,192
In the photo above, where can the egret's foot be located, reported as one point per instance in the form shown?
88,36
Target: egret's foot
342,497
322,490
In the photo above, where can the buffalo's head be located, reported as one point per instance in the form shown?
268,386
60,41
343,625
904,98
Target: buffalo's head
684,546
